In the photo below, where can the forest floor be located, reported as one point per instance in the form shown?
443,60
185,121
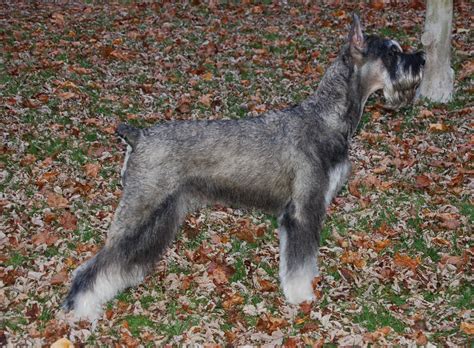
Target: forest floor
397,245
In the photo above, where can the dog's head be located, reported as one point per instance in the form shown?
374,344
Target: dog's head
384,65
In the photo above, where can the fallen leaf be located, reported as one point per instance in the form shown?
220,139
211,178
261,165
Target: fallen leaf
269,323
68,221
46,238
220,273
422,181
438,127
467,328
457,261
67,95
353,188
206,100
59,278
56,201
440,241
421,338
233,300
354,258
207,76
377,4
62,343
28,159
267,286
406,261
91,169
57,19
379,245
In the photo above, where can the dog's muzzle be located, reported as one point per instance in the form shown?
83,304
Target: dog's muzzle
403,88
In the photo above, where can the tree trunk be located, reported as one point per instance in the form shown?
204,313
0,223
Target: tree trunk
437,83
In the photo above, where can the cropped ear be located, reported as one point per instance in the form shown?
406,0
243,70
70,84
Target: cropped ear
356,37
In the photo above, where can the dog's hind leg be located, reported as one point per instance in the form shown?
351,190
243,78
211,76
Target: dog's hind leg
138,237
300,227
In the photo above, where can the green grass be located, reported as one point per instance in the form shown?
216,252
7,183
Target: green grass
378,318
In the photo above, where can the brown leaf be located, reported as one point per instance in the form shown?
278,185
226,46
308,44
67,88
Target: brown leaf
269,323
68,221
66,95
62,343
440,241
306,307
379,245
33,312
421,338
451,224
49,176
467,69
57,19
233,300
467,328
406,261
91,169
27,160
119,55
310,327
230,336
184,107
207,76
44,238
422,181
81,70
220,273
354,258
59,278
376,335
438,127
457,261
56,201
377,4
129,341
425,113
267,286
206,100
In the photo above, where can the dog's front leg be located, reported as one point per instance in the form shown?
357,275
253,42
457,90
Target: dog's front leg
300,226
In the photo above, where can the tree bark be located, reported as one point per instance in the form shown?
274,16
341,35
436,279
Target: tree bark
438,79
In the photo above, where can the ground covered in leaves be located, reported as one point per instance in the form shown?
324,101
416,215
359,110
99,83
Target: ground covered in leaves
397,249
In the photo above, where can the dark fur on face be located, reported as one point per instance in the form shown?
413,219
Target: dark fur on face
405,70
289,163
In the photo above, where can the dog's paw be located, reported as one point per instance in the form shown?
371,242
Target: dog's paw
296,293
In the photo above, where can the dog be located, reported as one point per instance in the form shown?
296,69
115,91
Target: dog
290,163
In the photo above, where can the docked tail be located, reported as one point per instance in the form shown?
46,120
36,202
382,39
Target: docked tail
129,134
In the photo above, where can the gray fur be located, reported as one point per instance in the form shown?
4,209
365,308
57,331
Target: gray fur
289,163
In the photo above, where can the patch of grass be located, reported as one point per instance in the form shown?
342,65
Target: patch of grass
46,315
240,271
13,324
372,320
467,209
464,299
125,296
146,301
137,322
16,260
420,245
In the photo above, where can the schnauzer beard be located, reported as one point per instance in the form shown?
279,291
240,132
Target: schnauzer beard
402,89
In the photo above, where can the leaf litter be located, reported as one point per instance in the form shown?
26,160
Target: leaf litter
397,249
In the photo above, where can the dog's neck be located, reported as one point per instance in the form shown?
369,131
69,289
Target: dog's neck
340,97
